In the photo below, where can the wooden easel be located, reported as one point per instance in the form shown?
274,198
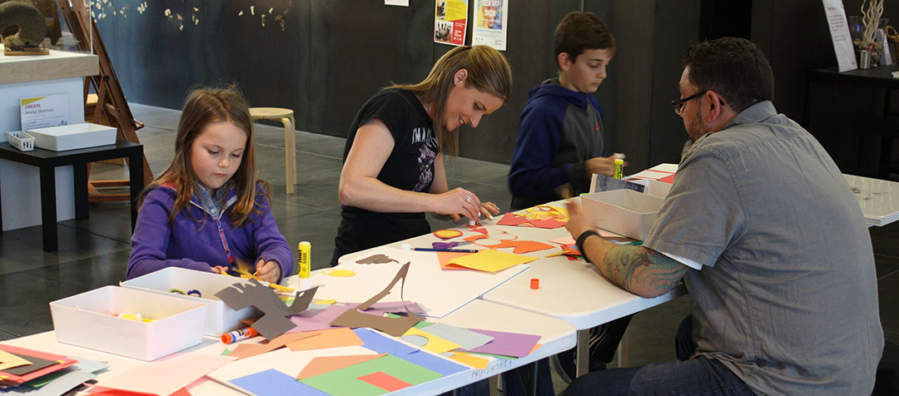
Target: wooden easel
111,103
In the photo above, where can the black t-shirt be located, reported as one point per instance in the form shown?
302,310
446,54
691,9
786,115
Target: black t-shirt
410,167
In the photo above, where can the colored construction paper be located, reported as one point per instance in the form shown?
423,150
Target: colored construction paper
7,378
330,338
318,320
491,260
274,322
667,179
379,343
35,364
178,371
465,338
444,259
470,360
447,234
9,360
346,380
548,223
247,350
61,382
565,240
84,365
339,273
385,381
434,363
376,259
325,364
522,247
511,219
393,326
272,382
434,343
181,392
103,391
391,307
506,344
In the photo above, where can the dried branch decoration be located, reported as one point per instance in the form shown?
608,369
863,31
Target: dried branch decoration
870,18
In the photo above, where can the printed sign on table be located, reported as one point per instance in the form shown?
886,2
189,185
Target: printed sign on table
44,111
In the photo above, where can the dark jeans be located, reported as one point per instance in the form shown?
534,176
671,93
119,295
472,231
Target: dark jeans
699,376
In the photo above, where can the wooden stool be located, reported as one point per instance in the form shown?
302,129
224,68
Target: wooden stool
284,116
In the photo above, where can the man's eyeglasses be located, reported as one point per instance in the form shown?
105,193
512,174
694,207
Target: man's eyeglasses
679,104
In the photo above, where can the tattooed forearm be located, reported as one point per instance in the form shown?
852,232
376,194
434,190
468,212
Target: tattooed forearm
641,271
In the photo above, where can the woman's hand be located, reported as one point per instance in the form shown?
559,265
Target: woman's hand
268,271
489,209
457,202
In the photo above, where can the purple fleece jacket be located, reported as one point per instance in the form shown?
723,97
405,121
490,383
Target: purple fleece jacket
189,243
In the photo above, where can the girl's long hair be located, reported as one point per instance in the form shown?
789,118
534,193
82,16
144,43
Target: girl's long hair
203,107
488,71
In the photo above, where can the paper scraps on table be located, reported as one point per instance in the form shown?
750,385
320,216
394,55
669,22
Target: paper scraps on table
491,260
272,382
506,344
331,338
321,319
432,343
325,364
376,259
274,322
379,343
30,372
465,338
444,259
565,240
379,309
393,326
248,350
346,380
470,360
178,371
522,247
447,234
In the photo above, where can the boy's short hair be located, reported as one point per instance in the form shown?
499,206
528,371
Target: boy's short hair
581,31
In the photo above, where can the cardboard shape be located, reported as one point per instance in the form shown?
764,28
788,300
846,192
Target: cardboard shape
274,322
393,326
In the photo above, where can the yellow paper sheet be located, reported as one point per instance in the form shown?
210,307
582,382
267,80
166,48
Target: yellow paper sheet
435,344
8,361
491,261
469,360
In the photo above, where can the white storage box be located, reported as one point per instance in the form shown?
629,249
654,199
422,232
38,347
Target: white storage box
220,318
87,320
654,187
75,136
624,212
21,140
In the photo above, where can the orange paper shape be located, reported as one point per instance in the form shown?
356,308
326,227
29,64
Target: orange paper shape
445,257
181,392
385,381
327,364
447,234
248,350
668,179
548,223
330,338
470,360
510,219
522,247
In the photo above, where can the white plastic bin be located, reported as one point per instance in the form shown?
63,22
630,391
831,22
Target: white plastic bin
87,320
74,136
220,318
624,212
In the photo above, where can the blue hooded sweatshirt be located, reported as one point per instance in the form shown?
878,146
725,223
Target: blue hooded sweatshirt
560,130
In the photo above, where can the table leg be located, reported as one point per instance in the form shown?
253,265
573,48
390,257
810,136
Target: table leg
534,381
583,352
622,350
81,199
136,171
48,208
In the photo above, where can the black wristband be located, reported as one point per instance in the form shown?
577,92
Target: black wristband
580,242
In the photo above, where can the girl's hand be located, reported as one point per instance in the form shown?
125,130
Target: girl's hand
268,271
220,269
457,202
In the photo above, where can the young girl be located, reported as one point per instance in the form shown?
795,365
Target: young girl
393,160
208,211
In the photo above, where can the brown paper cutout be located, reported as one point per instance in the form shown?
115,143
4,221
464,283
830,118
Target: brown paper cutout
274,322
376,259
393,326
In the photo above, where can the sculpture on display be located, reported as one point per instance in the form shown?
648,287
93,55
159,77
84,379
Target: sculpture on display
32,28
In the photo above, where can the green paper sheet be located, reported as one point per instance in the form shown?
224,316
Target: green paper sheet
345,382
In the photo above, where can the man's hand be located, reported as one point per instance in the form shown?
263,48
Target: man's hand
578,220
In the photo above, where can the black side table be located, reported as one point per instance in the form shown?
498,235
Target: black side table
47,161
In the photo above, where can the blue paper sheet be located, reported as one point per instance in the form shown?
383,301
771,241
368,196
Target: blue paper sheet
382,344
434,363
272,382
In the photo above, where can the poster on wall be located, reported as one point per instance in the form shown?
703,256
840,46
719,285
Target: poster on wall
450,20
44,111
490,23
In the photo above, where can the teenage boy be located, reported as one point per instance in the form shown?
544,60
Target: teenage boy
560,140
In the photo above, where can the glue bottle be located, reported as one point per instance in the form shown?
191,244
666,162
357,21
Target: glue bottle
304,262
619,168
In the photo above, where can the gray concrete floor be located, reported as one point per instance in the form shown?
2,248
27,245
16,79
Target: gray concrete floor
94,252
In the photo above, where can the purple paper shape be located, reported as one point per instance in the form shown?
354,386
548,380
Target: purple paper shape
381,308
321,320
506,344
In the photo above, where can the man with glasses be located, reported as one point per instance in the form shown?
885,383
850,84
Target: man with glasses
767,235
